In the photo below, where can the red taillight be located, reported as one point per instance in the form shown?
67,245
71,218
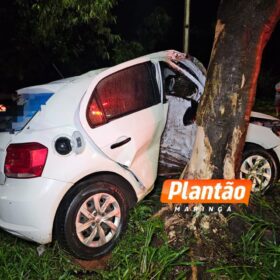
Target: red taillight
26,160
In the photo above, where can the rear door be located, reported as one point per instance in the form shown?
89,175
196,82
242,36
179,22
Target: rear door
123,114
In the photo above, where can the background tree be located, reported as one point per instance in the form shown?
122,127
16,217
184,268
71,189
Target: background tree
150,34
39,36
45,40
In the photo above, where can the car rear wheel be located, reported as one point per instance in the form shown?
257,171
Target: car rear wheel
260,166
91,218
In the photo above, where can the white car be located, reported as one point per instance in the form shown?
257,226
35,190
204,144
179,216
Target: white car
77,153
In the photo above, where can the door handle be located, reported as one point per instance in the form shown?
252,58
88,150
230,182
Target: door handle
118,144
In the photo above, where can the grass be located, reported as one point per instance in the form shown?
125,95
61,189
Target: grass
19,260
256,255
142,253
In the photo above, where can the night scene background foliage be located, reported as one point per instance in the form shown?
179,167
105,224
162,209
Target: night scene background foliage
43,41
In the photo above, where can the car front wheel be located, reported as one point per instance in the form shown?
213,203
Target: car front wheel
259,166
91,218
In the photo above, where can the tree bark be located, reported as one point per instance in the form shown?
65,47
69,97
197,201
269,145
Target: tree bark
242,30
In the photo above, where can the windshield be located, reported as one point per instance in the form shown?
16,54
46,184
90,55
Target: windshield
17,111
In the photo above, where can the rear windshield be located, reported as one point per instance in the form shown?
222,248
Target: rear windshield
17,111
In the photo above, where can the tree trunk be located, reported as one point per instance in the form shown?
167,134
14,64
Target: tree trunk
242,30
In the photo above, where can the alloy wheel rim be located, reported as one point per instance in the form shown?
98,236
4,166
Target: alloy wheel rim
98,220
258,169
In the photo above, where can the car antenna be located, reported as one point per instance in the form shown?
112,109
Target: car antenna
57,70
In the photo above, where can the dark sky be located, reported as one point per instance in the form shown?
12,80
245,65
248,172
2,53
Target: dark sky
132,14
202,25
131,17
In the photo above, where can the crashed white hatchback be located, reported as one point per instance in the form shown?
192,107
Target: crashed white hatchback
77,153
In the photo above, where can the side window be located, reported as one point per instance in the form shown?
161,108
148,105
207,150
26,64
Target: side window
122,93
175,83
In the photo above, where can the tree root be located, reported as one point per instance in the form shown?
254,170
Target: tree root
204,233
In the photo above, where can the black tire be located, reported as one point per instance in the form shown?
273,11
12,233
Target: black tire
263,161
70,214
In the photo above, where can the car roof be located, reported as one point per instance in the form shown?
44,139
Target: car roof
55,86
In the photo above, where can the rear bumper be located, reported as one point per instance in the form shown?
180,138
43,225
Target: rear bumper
28,207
